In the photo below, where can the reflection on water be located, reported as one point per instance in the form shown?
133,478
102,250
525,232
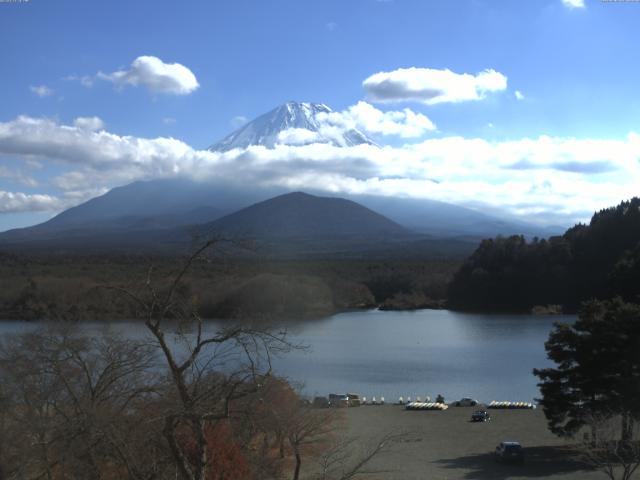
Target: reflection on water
405,353
423,353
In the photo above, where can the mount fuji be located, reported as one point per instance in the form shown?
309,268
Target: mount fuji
155,213
292,122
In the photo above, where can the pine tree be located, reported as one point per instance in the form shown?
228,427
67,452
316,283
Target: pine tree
597,368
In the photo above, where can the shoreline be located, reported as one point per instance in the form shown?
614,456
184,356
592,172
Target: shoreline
288,319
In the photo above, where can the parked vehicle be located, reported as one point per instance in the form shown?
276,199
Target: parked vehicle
354,400
320,402
466,402
510,452
338,400
480,416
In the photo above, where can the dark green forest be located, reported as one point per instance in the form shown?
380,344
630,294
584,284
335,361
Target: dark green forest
599,260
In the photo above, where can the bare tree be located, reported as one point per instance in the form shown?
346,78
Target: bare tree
305,428
613,444
209,369
72,406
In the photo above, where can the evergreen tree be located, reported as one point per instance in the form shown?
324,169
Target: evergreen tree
597,368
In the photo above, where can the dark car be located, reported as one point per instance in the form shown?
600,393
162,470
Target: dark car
338,400
466,402
480,416
510,452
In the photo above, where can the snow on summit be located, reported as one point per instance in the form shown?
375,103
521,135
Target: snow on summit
293,123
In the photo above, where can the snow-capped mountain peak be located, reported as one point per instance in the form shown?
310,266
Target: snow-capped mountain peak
296,123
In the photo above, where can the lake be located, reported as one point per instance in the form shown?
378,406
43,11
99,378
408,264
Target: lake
424,352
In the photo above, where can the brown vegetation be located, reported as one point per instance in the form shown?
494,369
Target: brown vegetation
67,288
186,401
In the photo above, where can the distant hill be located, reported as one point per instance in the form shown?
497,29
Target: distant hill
299,225
599,260
300,215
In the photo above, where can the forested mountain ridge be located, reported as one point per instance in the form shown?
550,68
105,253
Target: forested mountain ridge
599,260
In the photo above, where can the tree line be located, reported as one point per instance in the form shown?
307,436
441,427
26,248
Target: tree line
599,260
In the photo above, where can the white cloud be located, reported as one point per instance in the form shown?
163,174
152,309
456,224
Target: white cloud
238,121
573,3
519,95
168,120
12,202
157,76
41,90
529,176
89,123
297,136
45,140
432,86
366,117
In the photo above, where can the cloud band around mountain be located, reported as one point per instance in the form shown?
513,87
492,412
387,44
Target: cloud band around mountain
526,176
366,117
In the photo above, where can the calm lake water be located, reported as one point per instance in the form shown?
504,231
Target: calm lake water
426,352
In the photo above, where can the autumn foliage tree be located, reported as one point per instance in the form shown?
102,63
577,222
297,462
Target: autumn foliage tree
227,459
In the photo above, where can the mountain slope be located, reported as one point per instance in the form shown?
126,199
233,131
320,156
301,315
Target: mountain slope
143,210
442,219
144,205
300,215
267,129
302,226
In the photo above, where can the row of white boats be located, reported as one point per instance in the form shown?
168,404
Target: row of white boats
426,406
418,404
512,405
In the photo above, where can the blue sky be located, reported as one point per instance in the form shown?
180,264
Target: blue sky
574,66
